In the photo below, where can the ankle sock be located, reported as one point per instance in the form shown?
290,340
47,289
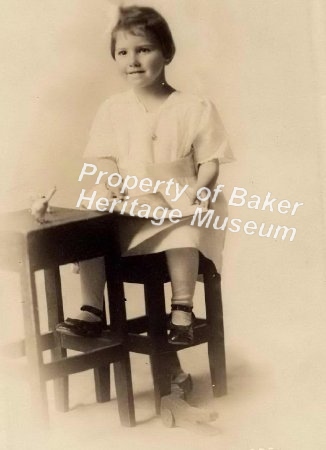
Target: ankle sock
88,317
90,313
181,317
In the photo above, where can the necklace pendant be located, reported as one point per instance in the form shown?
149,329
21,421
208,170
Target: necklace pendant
154,137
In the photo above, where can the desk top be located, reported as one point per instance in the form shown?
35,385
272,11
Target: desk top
68,235
23,222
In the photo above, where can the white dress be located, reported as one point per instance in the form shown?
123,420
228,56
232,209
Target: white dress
185,132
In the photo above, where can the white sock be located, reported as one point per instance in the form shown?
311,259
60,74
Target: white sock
181,317
88,317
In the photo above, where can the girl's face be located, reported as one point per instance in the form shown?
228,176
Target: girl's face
139,59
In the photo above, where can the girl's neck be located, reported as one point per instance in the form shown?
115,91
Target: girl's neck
153,96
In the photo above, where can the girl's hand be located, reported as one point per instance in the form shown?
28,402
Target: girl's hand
114,192
192,195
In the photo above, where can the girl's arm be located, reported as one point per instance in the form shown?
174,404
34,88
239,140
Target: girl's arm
207,173
107,165
110,166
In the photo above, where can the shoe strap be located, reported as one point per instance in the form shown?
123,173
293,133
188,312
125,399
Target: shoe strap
92,310
185,308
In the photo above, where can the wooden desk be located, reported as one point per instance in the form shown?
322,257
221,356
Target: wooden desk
26,247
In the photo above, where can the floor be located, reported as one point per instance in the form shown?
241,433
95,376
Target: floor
274,399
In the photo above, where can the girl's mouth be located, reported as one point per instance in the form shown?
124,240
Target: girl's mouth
136,72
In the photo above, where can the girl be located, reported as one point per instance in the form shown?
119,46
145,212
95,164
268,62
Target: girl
154,131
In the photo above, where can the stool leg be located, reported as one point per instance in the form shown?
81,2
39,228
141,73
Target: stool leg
102,384
214,314
118,324
123,385
155,310
55,315
32,340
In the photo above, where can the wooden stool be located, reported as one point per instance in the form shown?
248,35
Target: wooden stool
26,247
152,272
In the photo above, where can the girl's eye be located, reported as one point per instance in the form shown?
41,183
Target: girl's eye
144,50
122,52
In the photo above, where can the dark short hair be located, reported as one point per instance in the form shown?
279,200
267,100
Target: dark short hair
148,21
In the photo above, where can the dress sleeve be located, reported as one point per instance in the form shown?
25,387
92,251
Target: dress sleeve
210,141
102,139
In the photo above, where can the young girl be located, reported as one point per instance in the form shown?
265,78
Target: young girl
154,131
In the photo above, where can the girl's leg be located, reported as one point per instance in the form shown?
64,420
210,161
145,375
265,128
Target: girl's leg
89,320
183,269
92,279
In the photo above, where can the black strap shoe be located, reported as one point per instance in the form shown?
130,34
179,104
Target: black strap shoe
182,334
82,327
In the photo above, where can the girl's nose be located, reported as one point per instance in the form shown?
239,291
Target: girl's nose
133,60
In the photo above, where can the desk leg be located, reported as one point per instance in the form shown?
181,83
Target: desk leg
102,374
117,321
116,294
123,385
55,315
214,314
32,340
102,384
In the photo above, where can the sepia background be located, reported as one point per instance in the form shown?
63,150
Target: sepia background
262,63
